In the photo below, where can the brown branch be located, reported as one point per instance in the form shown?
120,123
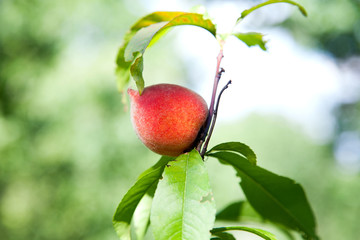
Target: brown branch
204,148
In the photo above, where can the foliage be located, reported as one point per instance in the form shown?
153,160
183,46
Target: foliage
261,233
146,184
149,28
65,144
276,198
145,31
183,206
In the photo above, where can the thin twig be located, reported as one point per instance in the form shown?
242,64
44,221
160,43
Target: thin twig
203,151
205,128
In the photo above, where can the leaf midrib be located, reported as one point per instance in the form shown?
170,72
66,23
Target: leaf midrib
184,195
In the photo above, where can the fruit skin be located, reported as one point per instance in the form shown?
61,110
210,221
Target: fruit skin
167,117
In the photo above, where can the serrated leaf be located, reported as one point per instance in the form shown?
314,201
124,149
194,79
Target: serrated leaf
238,147
261,233
252,39
183,206
276,198
146,32
125,210
250,10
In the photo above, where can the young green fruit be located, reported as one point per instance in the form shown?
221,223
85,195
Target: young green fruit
167,118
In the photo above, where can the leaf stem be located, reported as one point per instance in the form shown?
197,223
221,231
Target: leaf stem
261,233
250,10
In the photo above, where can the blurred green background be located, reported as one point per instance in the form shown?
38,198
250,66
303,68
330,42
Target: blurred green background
67,149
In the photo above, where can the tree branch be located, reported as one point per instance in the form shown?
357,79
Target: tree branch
204,148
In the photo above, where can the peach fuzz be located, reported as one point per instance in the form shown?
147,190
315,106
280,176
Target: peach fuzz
167,117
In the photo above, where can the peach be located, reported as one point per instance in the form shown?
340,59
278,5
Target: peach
167,118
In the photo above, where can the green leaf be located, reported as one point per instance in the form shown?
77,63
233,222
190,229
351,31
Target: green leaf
224,235
250,10
261,233
122,66
276,198
231,212
123,77
183,206
125,210
238,147
141,218
136,72
145,33
154,17
243,211
239,211
252,39
141,40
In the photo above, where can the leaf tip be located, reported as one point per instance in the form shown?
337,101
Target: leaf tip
243,14
303,11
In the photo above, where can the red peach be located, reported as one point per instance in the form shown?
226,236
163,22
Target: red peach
167,117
